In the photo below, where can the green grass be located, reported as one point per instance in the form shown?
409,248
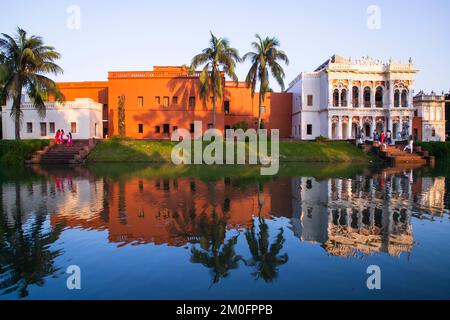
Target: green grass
127,150
16,152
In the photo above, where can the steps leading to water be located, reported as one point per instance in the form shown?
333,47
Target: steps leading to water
396,155
63,154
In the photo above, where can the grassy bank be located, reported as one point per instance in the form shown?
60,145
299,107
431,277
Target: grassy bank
16,152
127,150
440,150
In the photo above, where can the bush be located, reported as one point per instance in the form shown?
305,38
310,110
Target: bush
16,152
440,150
241,125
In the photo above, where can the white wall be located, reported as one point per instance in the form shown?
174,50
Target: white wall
84,112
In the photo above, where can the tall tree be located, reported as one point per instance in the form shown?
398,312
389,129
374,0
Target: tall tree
121,115
217,59
27,60
265,59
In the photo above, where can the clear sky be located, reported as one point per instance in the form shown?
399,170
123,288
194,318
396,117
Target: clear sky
135,35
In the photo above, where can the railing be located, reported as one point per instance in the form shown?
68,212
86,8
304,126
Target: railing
152,74
77,104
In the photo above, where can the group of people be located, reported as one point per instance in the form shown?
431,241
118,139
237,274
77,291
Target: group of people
385,138
61,138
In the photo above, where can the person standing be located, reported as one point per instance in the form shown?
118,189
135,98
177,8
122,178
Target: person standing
69,139
410,145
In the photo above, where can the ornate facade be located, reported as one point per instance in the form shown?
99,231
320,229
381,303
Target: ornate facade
345,97
429,111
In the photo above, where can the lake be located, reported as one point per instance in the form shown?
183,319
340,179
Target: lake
143,232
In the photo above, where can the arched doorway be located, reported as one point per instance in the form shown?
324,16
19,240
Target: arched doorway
396,99
344,97
336,98
404,99
367,97
355,101
367,132
379,97
354,130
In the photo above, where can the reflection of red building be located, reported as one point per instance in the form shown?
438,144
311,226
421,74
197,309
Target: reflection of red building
173,211
159,101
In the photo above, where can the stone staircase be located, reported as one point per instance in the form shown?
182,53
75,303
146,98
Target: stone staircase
63,154
397,156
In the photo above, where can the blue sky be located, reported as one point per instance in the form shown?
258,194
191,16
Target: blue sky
135,35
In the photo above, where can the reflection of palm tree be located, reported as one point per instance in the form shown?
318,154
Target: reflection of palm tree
213,253
25,257
265,260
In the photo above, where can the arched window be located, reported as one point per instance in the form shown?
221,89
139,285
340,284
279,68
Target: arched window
355,101
344,97
404,99
336,98
367,97
397,99
379,97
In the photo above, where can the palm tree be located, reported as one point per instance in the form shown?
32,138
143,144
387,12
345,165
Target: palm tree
217,59
26,61
265,59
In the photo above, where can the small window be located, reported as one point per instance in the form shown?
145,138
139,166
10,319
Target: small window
166,128
157,129
192,102
309,129
73,127
158,100
175,100
310,100
175,128
43,129
166,101
416,113
140,101
29,127
226,107
192,128
140,128
51,128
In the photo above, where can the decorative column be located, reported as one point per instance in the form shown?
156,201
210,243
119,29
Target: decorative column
372,97
350,94
339,98
349,127
361,96
400,125
339,128
330,127
389,126
391,94
410,123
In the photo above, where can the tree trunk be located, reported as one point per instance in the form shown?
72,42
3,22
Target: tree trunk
16,110
214,112
259,109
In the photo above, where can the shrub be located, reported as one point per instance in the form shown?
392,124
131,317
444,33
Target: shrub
241,125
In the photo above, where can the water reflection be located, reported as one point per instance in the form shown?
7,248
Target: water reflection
348,217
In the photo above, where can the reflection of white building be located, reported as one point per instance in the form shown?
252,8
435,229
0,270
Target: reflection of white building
365,214
432,196
82,117
430,110
343,95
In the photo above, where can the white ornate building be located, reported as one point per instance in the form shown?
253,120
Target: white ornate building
343,97
430,115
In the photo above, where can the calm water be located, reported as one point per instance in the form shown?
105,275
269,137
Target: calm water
162,233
